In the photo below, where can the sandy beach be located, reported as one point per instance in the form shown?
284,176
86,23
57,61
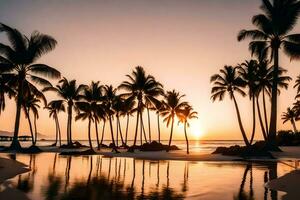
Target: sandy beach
9,169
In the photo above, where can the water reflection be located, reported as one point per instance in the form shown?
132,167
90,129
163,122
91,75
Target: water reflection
97,177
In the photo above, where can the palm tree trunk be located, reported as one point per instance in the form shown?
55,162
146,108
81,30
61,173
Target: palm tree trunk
273,118
171,134
149,126
112,131
260,120
58,128
186,139
294,125
127,124
35,129
122,139
117,139
97,135
158,127
15,142
68,126
89,135
240,122
136,128
265,113
70,134
102,136
143,128
56,131
30,125
253,119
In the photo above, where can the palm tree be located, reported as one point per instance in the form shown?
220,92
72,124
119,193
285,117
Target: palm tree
70,92
185,115
118,107
85,111
264,84
173,105
19,58
93,95
54,107
30,103
109,97
127,110
290,115
229,81
140,87
272,33
248,72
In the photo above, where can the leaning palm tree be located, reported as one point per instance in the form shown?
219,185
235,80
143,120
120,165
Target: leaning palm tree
140,87
54,107
248,72
69,92
19,59
173,105
159,106
290,115
185,115
229,82
273,26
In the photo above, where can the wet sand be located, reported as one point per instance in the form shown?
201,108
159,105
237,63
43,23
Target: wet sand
9,169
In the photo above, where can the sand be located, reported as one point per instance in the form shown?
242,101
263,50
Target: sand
288,183
9,169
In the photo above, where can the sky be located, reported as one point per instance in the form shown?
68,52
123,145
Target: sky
181,43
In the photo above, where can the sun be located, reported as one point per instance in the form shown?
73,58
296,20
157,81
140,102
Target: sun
196,130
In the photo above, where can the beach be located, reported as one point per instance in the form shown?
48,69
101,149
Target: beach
9,169
285,182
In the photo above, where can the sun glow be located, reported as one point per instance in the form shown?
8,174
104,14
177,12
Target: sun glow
196,130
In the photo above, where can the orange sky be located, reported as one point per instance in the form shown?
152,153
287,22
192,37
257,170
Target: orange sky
181,43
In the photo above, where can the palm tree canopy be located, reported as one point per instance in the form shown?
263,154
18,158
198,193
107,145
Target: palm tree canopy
142,87
173,105
18,57
186,114
55,107
67,90
289,115
279,17
227,81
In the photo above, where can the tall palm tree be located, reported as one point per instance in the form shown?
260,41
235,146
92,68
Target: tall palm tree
19,59
229,82
185,115
69,92
290,115
140,87
272,33
54,107
85,111
248,72
109,97
93,95
173,105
